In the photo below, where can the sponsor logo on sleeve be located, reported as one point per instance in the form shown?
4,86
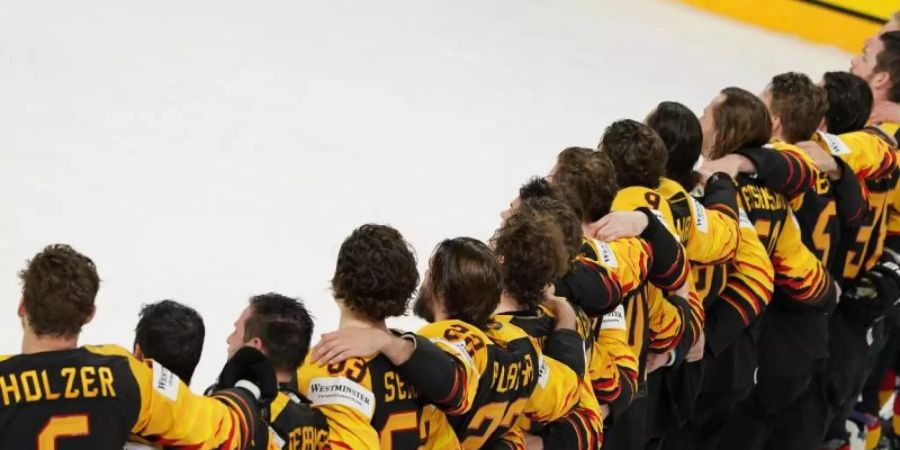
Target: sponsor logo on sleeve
342,391
835,144
165,382
700,218
744,220
614,320
607,255
544,376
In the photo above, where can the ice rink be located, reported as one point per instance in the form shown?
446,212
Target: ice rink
209,151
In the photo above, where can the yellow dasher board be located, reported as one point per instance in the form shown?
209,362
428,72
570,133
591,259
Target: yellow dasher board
813,20
876,10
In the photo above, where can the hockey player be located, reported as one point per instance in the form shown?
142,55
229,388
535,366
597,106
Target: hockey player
95,396
281,328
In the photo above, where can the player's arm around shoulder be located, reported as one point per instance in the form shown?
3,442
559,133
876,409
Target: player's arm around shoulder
343,393
170,412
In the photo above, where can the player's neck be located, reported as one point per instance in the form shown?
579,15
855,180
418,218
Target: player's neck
284,377
32,343
508,303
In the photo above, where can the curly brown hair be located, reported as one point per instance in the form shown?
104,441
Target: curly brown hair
637,153
464,272
586,181
59,287
741,120
376,272
532,253
799,103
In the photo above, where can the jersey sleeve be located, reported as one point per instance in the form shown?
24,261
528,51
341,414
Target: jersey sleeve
171,415
581,429
467,345
614,366
512,439
748,289
668,267
343,393
849,197
892,241
590,285
437,376
798,273
786,170
556,392
668,320
714,237
868,153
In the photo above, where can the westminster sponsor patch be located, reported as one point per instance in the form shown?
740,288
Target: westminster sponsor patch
165,382
835,145
614,320
700,218
342,391
744,220
607,255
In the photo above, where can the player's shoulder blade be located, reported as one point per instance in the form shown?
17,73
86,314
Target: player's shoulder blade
83,398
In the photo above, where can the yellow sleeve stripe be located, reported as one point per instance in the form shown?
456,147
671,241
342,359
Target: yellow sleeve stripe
278,405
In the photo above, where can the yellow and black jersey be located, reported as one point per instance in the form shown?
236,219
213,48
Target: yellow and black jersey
582,428
296,424
892,239
710,237
612,366
371,404
748,287
94,397
871,155
798,272
823,210
367,403
708,230
513,379
670,319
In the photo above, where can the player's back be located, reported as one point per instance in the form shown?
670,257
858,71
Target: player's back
367,403
297,425
504,390
871,154
81,399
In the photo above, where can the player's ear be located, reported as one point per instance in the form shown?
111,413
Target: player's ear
138,353
881,80
822,125
22,308
255,343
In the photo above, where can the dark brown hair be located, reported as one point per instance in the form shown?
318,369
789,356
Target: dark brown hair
465,272
376,272
679,128
587,181
59,286
532,254
637,153
799,103
284,326
888,60
741,120
541,196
